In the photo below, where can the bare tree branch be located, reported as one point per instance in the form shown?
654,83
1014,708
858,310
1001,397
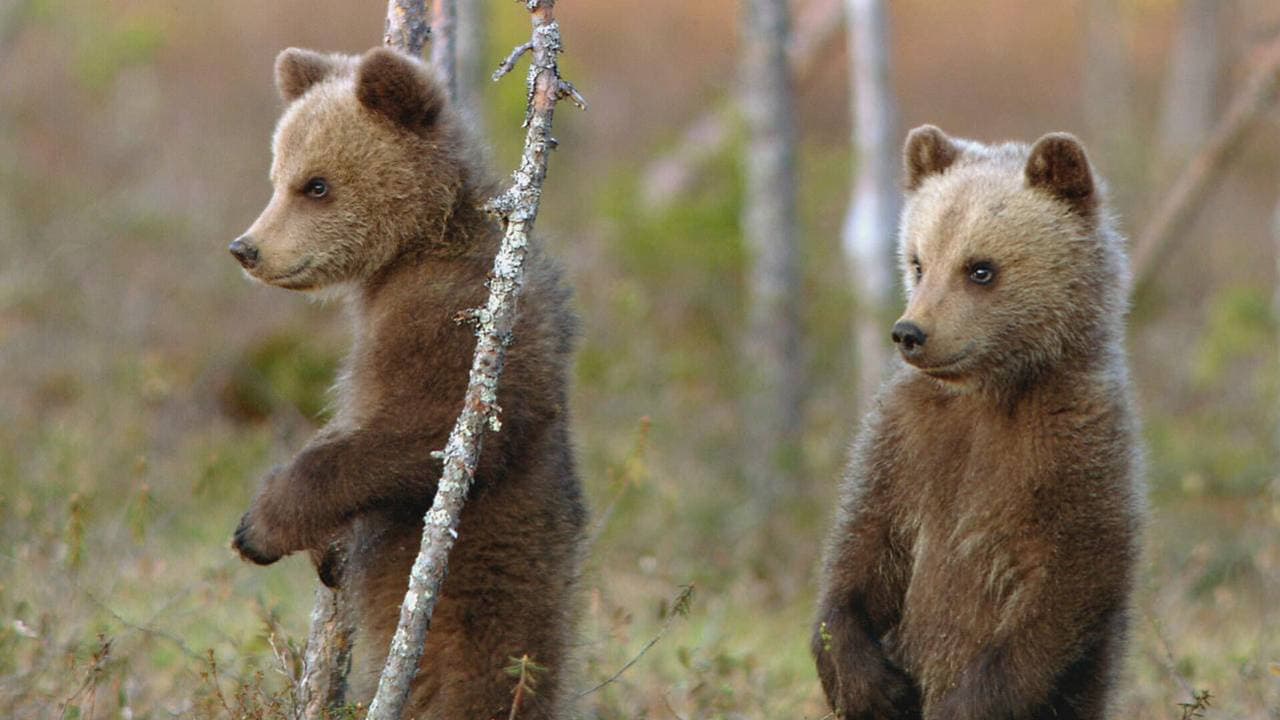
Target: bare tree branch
673,172
518,207
1168,224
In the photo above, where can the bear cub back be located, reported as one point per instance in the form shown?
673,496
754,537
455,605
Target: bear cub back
988,530
378,195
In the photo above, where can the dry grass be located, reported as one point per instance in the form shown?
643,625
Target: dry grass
146,387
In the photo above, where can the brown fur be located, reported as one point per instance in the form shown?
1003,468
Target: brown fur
984,550
401,232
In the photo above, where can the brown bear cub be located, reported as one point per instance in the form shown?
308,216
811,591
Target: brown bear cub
986,540
378,193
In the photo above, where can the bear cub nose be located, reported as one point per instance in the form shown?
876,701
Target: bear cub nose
908,336
245,251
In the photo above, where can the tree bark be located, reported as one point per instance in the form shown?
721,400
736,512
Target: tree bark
327,658
769,228
407,27
674,172
444,44
870,226
518,207
1168,223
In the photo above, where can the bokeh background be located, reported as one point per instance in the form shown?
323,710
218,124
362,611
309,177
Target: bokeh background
145,386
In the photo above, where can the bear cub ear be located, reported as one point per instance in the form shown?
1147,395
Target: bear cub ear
1059,165
399,88
927,151
297,70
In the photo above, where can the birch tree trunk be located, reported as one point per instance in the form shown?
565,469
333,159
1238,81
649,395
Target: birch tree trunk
870,226
1275,310
518,207
1188,110
769,227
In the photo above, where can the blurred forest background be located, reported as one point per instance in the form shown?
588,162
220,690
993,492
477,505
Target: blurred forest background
145,386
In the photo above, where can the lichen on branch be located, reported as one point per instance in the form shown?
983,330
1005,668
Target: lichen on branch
517,208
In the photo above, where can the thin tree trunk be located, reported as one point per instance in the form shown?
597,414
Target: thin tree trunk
407,27
473,63
1275,310
769,227
1169,222
327,658
518,207
671,174
871,223
1189,105
444,45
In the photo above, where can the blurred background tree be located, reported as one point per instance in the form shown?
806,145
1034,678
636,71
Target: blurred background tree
146,386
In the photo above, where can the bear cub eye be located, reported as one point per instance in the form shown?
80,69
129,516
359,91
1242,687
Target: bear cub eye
915,265
982,273
316,188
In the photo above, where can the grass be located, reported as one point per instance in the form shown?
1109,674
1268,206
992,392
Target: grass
146,389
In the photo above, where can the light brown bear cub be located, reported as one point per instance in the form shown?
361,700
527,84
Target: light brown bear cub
985,545
378,191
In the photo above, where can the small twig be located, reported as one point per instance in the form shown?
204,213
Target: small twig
1199,698
526,671
666,700
622,480
506,66
679,608
568,90
1199,703
92,676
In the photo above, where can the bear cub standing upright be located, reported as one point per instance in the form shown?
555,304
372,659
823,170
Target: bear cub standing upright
378,191
985,545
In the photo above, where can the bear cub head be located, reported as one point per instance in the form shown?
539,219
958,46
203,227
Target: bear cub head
364,168
1009,258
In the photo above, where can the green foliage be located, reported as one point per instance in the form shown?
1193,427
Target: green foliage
114,46
1241,328
1223,442
284,369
